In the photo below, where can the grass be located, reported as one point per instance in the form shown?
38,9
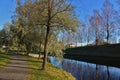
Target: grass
51,73
4,60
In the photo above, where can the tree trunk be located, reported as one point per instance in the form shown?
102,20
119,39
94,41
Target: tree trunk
39,52
27,53
27,49
96,32
107,35
45,48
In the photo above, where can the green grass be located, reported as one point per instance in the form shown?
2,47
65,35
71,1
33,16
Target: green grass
51,73
4,60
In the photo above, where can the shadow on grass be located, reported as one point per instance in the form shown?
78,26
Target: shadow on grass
25,60
17,56
12,66
2,55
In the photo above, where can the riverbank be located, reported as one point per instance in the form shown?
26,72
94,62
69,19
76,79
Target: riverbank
103,54
51,73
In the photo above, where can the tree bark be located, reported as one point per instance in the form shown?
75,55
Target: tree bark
108,34
96,35
46,48
107,37
39,52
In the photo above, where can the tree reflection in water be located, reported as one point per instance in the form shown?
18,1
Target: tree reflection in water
87,71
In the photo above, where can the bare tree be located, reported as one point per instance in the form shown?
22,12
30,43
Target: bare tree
108,18
88,32
95,22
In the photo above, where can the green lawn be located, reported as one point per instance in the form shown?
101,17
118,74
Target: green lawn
4,60
51,73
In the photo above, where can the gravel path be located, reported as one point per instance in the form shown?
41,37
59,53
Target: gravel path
16,70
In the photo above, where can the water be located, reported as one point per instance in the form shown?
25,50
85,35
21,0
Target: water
87,71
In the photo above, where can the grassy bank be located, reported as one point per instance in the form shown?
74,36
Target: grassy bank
51,73
4,60
103,54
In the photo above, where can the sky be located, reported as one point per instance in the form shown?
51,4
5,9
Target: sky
7,8
87,7
83,9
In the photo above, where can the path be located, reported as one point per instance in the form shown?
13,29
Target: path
16,70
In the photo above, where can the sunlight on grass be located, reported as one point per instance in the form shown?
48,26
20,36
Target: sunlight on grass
51,73
4,60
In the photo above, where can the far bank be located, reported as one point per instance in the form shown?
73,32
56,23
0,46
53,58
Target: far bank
103,54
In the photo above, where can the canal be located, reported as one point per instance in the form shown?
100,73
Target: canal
87,71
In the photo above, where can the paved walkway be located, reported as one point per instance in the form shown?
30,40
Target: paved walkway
16,70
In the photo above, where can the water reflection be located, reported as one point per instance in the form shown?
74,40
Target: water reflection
87,71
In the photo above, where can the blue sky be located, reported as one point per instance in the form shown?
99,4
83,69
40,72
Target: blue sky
83,8
7,8
87,7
